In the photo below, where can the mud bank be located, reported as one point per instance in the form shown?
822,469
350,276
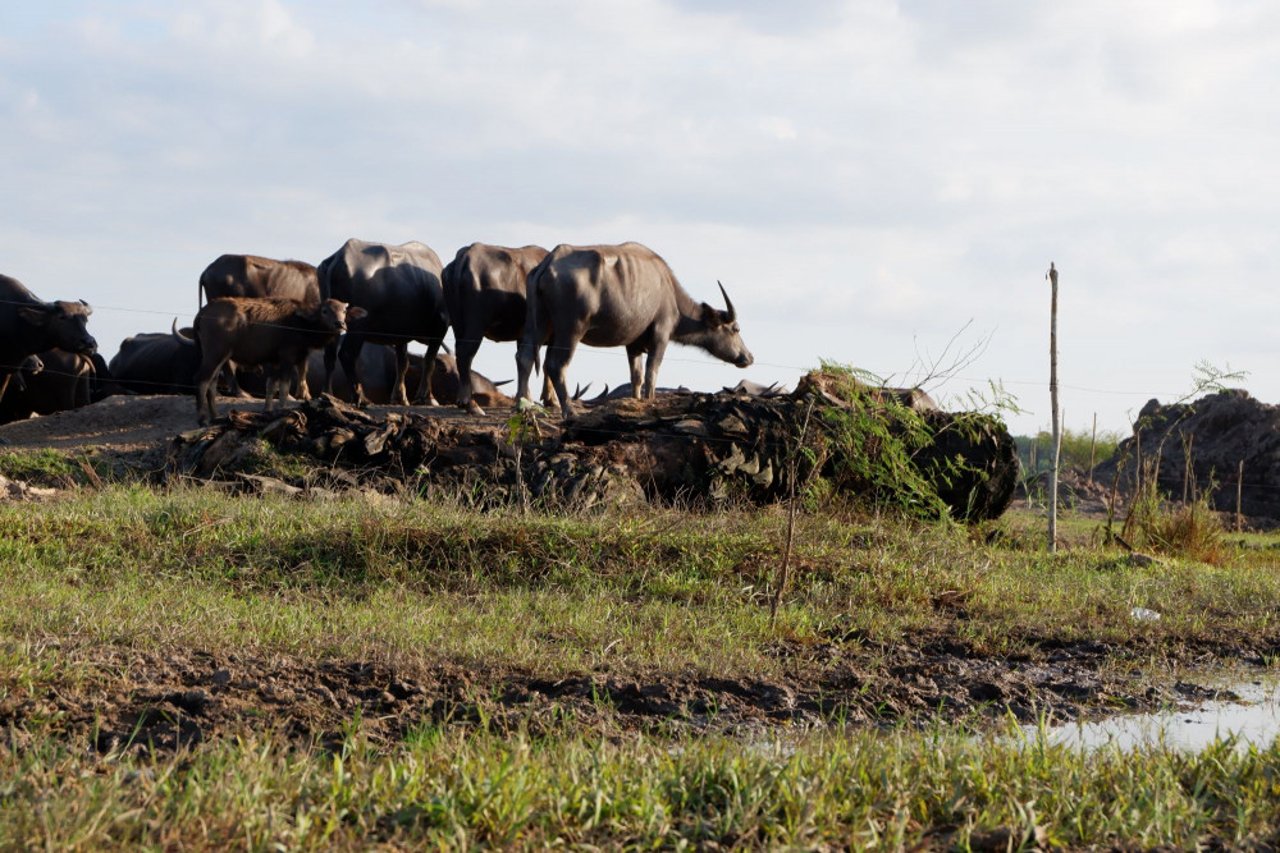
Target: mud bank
118,700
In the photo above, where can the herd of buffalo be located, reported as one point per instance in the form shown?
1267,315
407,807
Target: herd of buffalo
269,325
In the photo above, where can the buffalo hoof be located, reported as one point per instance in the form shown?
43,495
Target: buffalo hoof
473,408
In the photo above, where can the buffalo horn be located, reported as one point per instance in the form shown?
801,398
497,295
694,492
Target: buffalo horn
174,329
730,315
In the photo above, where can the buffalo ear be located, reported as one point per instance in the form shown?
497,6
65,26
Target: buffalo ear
355,312
36,315
710,316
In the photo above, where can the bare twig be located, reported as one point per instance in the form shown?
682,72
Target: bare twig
784,571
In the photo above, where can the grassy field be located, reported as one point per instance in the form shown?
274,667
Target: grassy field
317,673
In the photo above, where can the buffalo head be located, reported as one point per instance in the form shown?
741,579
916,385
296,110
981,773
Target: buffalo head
721,334
61,325
333,314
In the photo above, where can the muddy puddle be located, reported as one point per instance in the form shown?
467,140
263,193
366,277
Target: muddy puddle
1246,712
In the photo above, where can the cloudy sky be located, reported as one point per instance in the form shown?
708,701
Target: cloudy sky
873,181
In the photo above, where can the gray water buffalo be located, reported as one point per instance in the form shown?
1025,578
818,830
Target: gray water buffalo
484,288
276,334
377,366
64,381
400,291
607,296
29,325
258,277
755,389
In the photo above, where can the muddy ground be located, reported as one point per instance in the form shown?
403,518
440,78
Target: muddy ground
161,701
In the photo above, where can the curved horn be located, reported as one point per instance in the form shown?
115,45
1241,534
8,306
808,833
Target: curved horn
732,315
181,337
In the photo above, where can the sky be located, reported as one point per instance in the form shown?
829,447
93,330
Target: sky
880,183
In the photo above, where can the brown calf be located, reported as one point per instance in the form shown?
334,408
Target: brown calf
276,334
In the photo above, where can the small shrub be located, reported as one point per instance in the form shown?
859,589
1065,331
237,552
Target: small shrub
1190,530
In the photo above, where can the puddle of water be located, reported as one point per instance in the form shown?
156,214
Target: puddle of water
1254,720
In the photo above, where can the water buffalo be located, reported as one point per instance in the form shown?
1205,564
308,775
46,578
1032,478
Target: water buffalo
30,366
277,334
484,288
156,363
250,275
627,296
254,276
625,391
29,325
399,288
755,389
63,382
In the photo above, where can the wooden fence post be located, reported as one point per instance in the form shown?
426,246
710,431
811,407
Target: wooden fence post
1053,395
1093,447
1240,497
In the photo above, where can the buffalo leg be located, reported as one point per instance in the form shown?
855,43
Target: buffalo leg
4,383
526,358
425,395
555,364
300,388
651,369
206,382
635,355
465,347
547,388
330,358
399,396
228,373
349,354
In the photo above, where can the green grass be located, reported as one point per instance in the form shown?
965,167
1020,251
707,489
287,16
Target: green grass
864,790
409,583
44,467
663,590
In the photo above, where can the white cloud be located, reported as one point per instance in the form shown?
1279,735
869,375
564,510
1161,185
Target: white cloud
860,174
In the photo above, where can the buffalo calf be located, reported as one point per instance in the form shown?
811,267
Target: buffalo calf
275,334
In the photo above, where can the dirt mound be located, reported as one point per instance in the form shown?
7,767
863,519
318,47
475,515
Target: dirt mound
680,447
703,448
1220,431
120,423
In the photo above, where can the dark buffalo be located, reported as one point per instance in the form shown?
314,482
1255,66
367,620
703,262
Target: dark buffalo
626,296
400,290
29,325
63,383
276,334
156,363
30,366
253,276
484,288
